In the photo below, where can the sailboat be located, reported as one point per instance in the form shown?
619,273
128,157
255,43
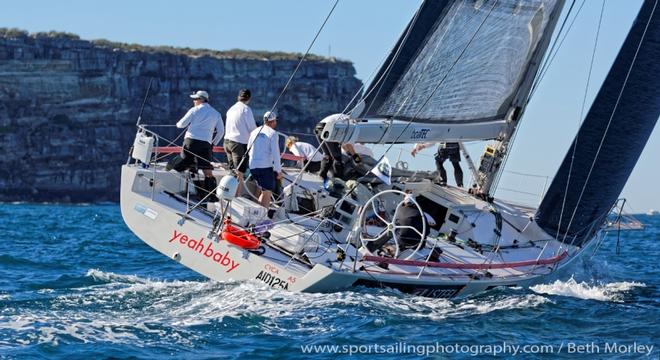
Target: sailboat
461,70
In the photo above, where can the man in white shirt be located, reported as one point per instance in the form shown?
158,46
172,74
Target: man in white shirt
305,150
350,149
240,123
201,121
264,160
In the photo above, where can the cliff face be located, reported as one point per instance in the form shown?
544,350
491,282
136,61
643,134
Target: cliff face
68,107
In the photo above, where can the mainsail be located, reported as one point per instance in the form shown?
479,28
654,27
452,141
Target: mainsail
610,139
463,61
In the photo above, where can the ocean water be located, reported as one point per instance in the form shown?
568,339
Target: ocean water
76,283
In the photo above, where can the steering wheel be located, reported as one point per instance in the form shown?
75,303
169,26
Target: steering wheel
390,226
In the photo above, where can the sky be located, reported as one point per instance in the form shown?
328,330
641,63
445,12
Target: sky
363,31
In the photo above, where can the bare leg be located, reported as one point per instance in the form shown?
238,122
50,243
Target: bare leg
239,176
348,148
210,185
264,198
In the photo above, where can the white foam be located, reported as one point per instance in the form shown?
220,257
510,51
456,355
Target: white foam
602,292
112,277
140,311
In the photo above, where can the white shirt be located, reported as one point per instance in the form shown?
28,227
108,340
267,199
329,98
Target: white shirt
363,150
240,123
360,149
264,149
201,120
306,150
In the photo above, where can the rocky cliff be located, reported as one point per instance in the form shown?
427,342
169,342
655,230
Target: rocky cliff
68,107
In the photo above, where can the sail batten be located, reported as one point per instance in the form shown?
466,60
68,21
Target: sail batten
462,61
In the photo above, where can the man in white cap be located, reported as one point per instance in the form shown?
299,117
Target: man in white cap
264,152
202,121
240,123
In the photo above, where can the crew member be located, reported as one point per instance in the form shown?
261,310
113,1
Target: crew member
312,162
449,150
201,122
358,149
332,150
265,163
409,218
240,123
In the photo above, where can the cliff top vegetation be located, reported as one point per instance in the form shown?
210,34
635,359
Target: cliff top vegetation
185,51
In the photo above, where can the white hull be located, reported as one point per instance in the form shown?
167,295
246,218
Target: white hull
156,217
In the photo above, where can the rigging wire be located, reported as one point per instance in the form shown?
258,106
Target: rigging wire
285,87
549,61
580,119
439,83
379,82
293,74
616,105
540,75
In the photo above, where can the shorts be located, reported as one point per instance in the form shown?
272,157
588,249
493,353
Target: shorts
453,154
313,166
264,177
235,152
194,151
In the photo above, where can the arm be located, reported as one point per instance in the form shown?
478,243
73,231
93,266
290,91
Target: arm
219,130
185,120
419,147
275,150
249,121
348,147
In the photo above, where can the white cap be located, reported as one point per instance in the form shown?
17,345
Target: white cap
270,115
200,94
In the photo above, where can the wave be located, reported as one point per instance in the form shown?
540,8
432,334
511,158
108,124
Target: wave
120,308
109,277
602,292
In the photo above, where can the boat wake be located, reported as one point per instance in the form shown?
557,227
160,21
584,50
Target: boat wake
613,292
140,311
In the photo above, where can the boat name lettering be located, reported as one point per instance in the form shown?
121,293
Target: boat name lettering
419,134
436,293
206,249
272,281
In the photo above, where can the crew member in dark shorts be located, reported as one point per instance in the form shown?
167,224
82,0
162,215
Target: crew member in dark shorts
202,121
449,150
240,123
265,162
332,158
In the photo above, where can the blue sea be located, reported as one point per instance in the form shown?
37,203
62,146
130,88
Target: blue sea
76,283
